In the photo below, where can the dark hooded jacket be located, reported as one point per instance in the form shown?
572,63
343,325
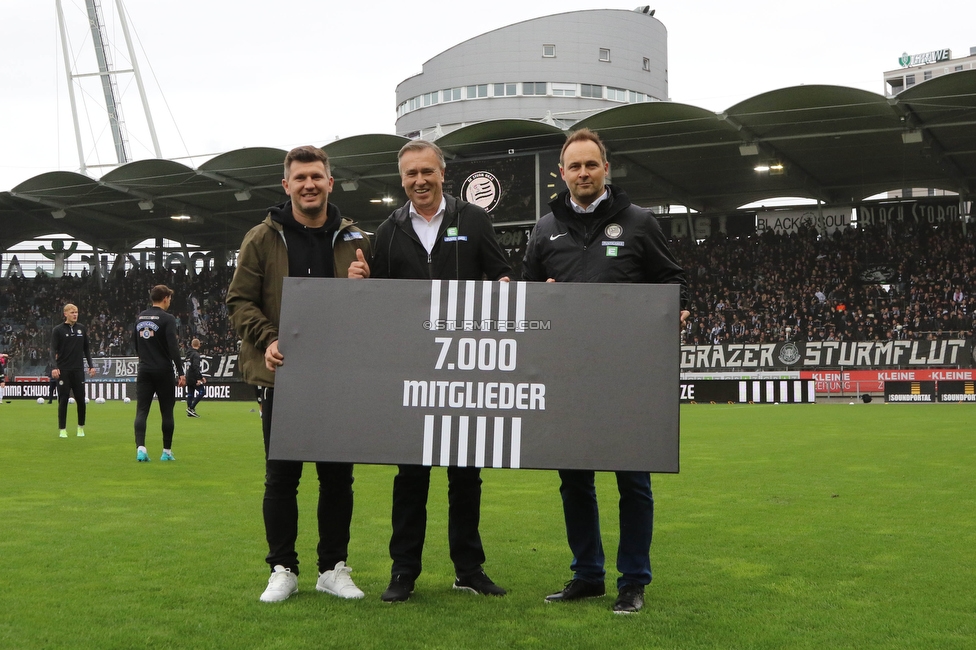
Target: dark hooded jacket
271,251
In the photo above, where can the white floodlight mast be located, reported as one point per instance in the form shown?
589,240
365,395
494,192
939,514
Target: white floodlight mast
107,76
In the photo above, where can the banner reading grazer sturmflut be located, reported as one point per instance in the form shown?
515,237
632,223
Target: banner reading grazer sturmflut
485,374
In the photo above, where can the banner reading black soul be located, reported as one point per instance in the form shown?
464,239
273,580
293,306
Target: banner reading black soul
486,374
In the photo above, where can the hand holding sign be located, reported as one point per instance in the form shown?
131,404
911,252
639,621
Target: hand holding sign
273,358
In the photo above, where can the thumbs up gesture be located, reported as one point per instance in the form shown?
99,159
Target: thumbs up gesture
359,268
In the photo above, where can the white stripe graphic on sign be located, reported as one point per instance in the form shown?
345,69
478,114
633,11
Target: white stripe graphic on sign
784,391
435,302
798,391
502,306
445,440
452,294
428,458
519,306
756,392
770,391
469,305
479,445
516,443
496,457
811,392
743,392
486,292
462,441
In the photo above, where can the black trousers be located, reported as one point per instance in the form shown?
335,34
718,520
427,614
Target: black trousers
163,385
410,489
280,505
194,393
71,382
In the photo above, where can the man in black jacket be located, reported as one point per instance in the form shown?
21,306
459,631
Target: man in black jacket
194,379
435,236
69,349
594,234
159,353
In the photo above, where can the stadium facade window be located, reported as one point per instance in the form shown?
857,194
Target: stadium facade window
563,90
647,64
605,54
909,80
926,75
590,90
958,68
529,88
548,51
504,90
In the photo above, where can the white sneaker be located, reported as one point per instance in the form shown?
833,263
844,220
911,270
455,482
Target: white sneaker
282,584
338,582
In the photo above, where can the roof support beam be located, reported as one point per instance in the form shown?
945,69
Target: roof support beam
929,141
794,169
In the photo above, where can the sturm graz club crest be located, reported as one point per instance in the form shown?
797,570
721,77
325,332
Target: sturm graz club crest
878,274
614,231
482,189
789,354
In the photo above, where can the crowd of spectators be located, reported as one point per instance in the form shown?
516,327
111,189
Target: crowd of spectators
871,284
898,282
31,307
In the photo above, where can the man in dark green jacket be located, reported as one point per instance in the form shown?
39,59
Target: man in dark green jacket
304,237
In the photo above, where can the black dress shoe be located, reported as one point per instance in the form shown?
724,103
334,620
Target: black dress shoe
629,600
577,589
401,586
479,583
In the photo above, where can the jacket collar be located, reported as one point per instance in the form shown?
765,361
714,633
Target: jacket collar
612,205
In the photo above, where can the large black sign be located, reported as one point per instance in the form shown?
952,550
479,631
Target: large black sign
487,374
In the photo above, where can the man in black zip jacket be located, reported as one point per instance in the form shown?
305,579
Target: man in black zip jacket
435,236
594,234
159,353
69,349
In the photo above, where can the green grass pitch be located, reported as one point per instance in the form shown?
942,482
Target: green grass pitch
802,526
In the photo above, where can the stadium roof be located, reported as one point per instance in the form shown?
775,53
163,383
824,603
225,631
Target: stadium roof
836,144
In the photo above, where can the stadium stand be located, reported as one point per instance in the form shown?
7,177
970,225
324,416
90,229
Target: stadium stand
763,288
31,307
